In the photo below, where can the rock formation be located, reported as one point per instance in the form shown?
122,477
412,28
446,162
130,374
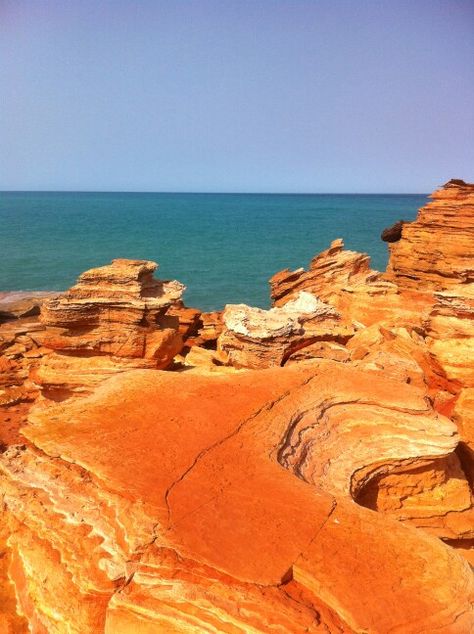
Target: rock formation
230,494
257,338
345,280
115,318
393,233
177,515
20,304
450,332
436,250
328,273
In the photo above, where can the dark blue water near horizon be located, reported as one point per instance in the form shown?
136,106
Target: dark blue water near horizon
224,247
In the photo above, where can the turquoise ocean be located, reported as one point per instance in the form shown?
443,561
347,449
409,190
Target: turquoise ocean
224,247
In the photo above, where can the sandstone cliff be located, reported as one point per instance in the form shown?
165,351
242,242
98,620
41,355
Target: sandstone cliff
437,249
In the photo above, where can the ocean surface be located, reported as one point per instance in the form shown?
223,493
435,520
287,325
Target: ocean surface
224,247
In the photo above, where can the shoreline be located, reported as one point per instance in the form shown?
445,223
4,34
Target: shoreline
167,466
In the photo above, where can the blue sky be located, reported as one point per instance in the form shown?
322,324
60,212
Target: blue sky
272,96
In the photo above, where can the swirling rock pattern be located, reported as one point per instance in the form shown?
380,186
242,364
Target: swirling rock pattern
185,510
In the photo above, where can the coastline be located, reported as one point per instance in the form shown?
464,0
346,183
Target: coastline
165,466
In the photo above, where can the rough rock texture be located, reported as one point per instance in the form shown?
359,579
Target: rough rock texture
345,280
436,251
257,338
393,233
334,494
209,328
189,319
328,273
403,354
183,510
450,330
115,318
20,352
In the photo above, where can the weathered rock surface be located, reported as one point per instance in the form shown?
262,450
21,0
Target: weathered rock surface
334,494
182,511
450,332
436,251
345,280
328,273
257,338
115,318
393,233
20,352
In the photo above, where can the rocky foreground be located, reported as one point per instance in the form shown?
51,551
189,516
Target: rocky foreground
307,468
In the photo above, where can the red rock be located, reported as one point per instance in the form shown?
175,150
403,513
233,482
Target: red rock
328,272
435,251
189,319
450,330
114,319
345,280
181,511
219,499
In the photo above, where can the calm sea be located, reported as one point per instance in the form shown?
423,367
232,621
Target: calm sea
224,247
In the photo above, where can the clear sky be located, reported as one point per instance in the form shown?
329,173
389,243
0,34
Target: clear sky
259,95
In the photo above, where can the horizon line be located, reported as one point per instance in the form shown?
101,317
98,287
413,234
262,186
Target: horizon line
208,193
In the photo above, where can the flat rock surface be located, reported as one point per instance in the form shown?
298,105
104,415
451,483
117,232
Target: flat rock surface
199,459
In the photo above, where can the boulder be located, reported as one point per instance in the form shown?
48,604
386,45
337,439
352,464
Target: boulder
115,318
257,338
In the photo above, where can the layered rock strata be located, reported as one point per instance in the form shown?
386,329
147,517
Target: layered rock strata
345,280
176,514
218,499
436,251
257,338
328,273
115,318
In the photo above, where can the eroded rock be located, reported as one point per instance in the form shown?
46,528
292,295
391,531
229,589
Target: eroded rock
115,318
257,338
435,251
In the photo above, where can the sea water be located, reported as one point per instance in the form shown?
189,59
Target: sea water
223,247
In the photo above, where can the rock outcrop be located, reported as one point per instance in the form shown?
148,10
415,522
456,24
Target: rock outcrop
328,273
176,514
450,332
115,318
345,280
393,233
436,251
257,338
308,468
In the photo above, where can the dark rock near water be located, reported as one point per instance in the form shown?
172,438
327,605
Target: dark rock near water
393,233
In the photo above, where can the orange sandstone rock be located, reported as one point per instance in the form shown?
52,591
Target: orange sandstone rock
115,318
328,272
222,500
450,330
436,250
345,280
176,502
